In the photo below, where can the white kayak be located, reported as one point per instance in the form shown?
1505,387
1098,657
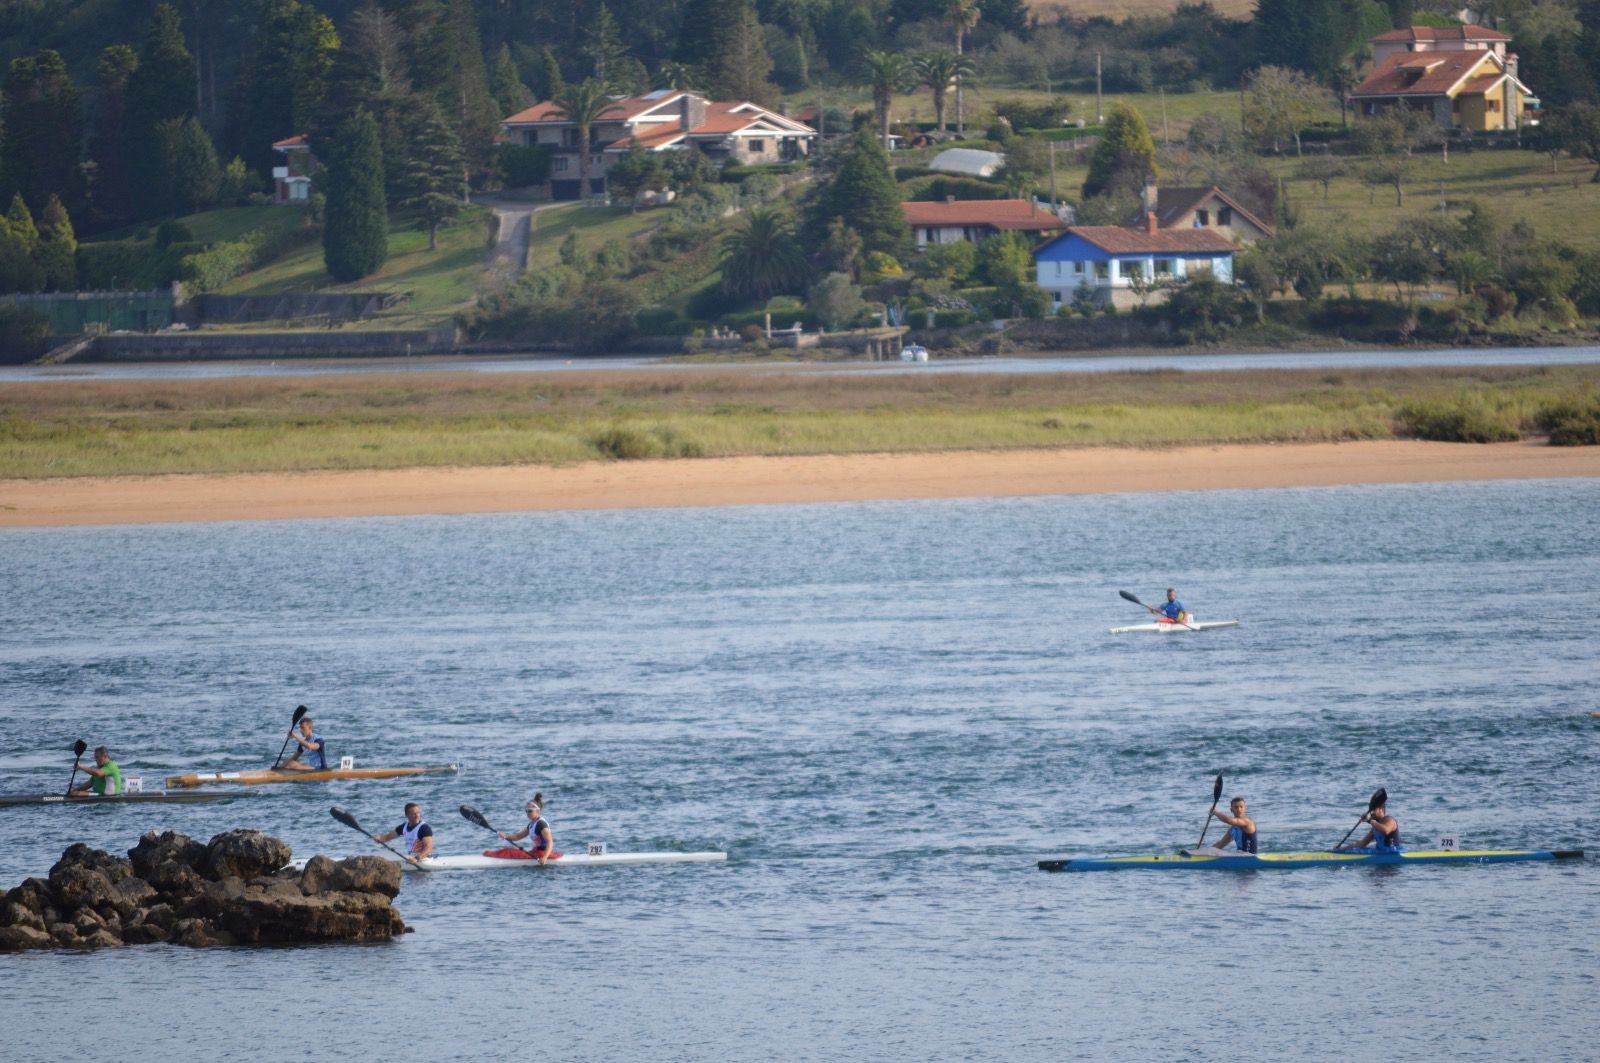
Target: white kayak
1167,627
486,862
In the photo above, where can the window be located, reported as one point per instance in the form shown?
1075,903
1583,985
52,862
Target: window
559,164
1058,271
1102,270
1163,267
1055,296
930,235
569,137
1198,265
1077,268
1224,215
1202,218
1494,106
757,147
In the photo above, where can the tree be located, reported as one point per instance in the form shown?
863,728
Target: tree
603,48
583,103
190,173
746,65
1578,130
1388,139
637,171
678,76
1324,170
884,73
57,255
433,187
238,182
1125,157
108,144
1280,103
464,96
551,84
962,15
939,71
509,92
19,250
863,193
43,129
762,257
841,250
1313,36
160,90
835,301
707,26
355,236
283,80
1342,81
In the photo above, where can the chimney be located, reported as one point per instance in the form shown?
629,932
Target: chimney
1151,197
1150,226
691,111
949,199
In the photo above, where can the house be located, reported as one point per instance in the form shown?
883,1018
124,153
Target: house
1105,261
1461,75
664,120
291,182
973,220
1200,208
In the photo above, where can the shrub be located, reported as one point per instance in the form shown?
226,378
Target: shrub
999,132
24,334
1464,419
627,444
1048,114
523,165
172,232
1571,422
926,189
1205,310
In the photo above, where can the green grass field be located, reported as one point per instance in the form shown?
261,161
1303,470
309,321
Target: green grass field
221,225
595,225
110,428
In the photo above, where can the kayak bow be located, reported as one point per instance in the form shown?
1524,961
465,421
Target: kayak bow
251,778
1168,628
1290,861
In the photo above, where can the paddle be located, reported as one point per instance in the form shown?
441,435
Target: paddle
78,749
1216,795
477,817
1379,799
1158,612
350,821
294,721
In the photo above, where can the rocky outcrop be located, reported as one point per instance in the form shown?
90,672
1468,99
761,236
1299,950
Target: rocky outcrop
233,890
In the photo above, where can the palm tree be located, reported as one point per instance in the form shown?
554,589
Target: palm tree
962,16
679,76
763,258
583,103
885,73
938,70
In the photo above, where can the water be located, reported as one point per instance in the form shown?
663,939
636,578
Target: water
885,713
1367,359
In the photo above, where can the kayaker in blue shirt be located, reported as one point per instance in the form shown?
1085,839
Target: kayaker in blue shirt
415,832
309,756
1384,835
537,831
1173,609
1241,828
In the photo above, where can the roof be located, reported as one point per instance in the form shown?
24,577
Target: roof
1419,34
298,141
1424,73
622,109
1018,214
967,161
1120,240
1174,203
655,119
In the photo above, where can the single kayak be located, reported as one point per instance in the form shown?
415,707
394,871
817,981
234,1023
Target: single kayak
1167,627
251,778
136,797
501,859
1289,861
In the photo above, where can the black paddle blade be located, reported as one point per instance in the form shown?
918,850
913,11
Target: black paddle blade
475,816
1379,799
346,818
299,714
1132,599
79,747
1216,791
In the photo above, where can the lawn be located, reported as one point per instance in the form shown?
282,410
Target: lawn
595,225
222,225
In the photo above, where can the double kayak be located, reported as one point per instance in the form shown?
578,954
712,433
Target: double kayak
253,778
1290,861
502,860
1167,627
136,797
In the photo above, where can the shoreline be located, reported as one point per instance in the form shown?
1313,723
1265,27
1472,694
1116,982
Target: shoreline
771,480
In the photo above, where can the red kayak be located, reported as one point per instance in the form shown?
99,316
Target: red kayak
513,853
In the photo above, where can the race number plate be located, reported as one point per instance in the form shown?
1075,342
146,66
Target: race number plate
597,848
1449,843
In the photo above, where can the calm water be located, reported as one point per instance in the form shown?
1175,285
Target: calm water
885,713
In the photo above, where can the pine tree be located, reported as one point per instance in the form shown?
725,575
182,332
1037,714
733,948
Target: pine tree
863,193
160,90
432,186
509,92
466,98
603,48
707,27
43,126
284,79
19,250
551,83
108,145
355,236
745,63
57,255
191,174
1125,156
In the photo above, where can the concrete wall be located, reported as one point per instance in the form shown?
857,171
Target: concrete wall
202,346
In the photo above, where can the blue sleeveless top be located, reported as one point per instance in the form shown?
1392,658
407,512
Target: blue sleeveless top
1385,841
1244,843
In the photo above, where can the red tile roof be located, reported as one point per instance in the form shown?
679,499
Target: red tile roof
1443,33
1117,240
622,110
298,141
1424,73
1018,214
1174,203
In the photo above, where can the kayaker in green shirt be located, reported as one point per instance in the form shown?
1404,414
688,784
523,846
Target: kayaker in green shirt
105,778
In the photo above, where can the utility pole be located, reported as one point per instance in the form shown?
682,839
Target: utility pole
1099,97
1166,139
1054,206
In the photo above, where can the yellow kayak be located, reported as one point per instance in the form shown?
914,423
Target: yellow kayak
252,778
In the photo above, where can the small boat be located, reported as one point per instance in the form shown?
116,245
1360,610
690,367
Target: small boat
133,797
1290,861
914,352
1167,627
502,859
251,778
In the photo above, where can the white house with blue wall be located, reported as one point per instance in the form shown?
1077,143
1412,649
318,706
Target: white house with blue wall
1106,259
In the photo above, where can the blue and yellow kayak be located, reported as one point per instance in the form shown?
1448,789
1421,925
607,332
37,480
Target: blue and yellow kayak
1289,861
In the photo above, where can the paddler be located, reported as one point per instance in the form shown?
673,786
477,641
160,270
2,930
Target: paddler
309,756
1241,832
105,778
417,834
1384,835
537,831
1173,609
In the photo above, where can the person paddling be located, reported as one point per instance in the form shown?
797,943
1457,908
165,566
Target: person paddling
1241,833
537,831
309,757
1384,833
1172,609
105,778
415,831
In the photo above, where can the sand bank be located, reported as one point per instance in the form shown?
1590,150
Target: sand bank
743,481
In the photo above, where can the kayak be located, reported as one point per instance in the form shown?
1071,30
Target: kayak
1168,626
500,859
133,798
1289,861
251,778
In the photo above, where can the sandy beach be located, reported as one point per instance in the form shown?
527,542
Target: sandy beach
745,481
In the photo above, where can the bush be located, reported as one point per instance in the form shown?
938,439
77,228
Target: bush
521,166
1205,310
1572,422
926,189
172,232
24,334
999,132
1465,419
627,444
736,173
1048,114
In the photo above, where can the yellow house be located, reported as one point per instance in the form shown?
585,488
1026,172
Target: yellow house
1461,75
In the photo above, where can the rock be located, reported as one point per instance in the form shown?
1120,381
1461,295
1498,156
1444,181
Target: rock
215,898
155,849
87,922
34,894
319,876
371,874
145,934
177,880
77,886
135,893
64,934
18,938
272,886
244,854
102,939
14,914
194,933
325,917
160,915
114,868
